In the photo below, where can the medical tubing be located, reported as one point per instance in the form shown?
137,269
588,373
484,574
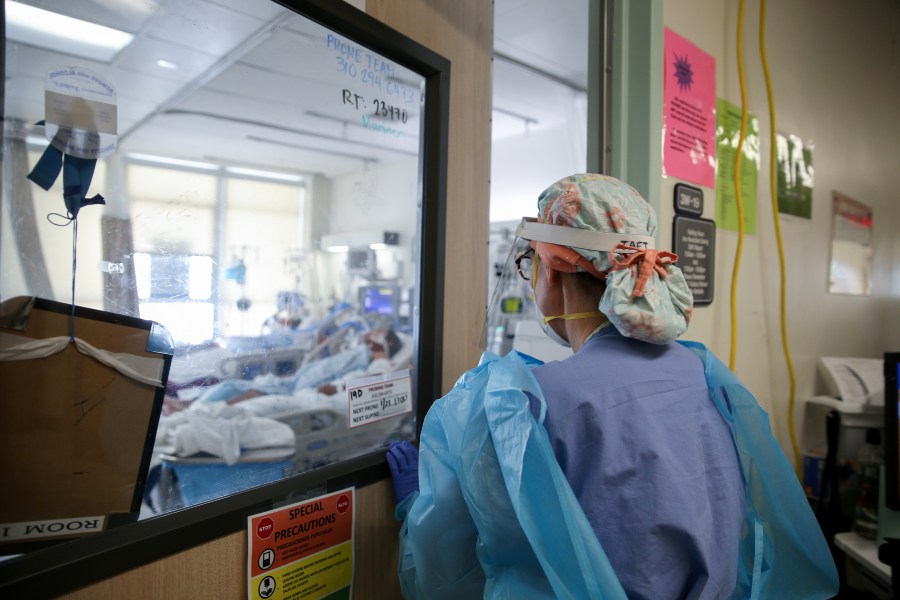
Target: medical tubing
74,263
732,357
773,192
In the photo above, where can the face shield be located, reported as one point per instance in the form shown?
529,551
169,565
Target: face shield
512,300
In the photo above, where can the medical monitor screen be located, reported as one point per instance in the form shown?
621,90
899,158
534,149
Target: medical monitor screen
380,300
892,429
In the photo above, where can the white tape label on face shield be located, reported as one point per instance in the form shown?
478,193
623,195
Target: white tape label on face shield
572,237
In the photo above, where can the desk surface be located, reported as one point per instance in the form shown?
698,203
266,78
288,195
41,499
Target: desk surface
865,552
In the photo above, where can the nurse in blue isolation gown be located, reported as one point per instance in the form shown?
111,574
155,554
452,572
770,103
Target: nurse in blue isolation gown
639,467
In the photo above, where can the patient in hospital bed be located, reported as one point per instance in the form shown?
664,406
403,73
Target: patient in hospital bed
228,416
384,345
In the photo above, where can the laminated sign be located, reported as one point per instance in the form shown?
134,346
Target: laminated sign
379,397
302,551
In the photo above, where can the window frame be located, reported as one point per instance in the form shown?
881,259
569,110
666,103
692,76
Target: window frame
66,566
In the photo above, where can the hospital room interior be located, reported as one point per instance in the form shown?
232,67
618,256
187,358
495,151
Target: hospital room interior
276,232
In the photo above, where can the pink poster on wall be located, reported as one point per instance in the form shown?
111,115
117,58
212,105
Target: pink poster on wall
689,112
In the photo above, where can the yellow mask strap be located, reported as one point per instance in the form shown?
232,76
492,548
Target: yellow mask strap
568,317
576,316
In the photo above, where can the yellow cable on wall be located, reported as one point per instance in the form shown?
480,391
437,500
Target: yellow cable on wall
732,357
773,191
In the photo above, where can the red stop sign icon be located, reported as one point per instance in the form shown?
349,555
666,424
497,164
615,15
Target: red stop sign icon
264,528
343,503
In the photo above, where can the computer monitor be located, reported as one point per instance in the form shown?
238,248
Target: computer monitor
891,430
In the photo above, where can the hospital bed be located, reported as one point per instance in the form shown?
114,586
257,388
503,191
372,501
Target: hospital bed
260,381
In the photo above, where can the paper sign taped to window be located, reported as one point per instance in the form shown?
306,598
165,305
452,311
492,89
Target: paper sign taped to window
378,397
81,114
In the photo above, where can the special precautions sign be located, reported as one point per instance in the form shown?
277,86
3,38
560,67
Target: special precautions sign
304,550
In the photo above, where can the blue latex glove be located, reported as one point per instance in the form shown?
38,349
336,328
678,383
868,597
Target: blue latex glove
403,459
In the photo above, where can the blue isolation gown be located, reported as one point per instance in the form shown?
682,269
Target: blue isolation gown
651,462
496,516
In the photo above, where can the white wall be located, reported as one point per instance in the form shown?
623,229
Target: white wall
522,167
378,197
835,69
524,164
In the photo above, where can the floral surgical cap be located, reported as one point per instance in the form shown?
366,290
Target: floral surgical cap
657,310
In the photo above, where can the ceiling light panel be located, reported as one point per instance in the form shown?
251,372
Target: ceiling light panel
35,26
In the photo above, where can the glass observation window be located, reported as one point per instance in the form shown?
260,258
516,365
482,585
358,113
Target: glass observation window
262,199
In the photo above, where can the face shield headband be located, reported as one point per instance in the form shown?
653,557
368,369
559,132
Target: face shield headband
555,243
533,230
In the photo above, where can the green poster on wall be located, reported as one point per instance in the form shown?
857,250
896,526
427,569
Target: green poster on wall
728,131
795,176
